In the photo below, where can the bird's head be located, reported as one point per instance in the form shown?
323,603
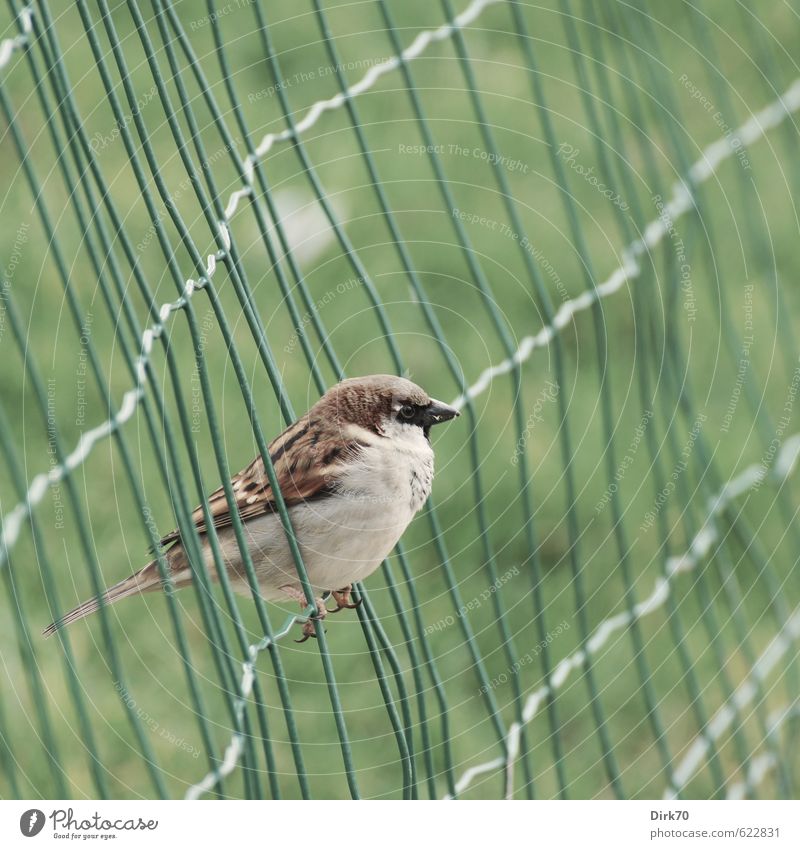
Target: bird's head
384,404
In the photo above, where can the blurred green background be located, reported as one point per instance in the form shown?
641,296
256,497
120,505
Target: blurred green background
669,79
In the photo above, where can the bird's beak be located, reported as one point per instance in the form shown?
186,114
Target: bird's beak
437,412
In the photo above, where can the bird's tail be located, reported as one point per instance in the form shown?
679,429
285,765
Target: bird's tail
145,580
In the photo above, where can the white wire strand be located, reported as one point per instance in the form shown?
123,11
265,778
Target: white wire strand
680,203
761,765
233,750
8,46
15,518
702,544
741,698
414,50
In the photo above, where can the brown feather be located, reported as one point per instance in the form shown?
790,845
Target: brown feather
302,458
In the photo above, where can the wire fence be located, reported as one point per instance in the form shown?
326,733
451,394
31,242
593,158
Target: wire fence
216,211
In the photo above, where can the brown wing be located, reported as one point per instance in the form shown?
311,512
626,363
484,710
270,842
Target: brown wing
307,464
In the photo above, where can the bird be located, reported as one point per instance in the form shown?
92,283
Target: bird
353,473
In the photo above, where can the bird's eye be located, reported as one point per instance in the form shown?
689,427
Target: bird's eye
407,412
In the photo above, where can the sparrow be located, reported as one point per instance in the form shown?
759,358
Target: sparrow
353,472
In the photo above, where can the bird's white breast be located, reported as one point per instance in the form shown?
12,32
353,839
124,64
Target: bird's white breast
394,470
345,536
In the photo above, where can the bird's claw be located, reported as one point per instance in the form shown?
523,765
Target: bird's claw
309,626
342,599
343,602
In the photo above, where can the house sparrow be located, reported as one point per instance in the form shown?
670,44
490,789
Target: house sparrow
353,472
